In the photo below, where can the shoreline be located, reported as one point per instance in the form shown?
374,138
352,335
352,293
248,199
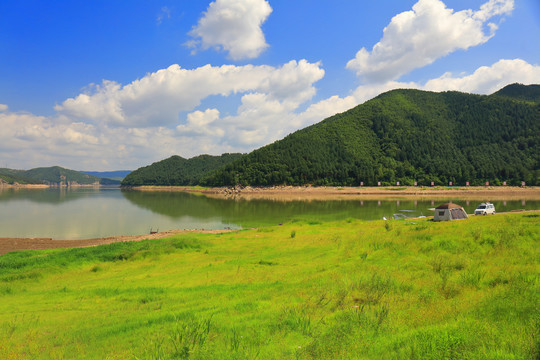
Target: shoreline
284,193
9,244
23,186
45,186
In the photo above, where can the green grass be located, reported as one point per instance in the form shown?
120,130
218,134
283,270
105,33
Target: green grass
335,290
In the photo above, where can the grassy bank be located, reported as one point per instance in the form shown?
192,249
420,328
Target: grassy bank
304,290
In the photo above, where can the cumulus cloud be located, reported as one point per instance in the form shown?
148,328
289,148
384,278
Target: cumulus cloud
28,140
488,79
321,110
159,97
260,119
418,37
233,26
493,8
198,124
3,107
111,120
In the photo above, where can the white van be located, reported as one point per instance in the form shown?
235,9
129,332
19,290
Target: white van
485,209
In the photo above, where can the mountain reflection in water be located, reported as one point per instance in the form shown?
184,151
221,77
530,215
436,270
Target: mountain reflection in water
82,213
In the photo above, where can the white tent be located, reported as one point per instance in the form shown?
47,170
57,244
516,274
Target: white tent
449,211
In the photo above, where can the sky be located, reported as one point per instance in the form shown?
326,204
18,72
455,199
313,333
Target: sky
108,85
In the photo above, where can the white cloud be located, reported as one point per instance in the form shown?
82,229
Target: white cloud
165,13
234,26
159,97
366,92
488,79
493,8
103,104
3,107
198,124
418,37
144,121
29,141
260,120
321,110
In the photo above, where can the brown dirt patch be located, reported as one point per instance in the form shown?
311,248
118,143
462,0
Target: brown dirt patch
16,244
289,193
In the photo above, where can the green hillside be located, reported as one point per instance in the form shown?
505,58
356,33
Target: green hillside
11,176
54,175
406,136
177,171
521,92
57,175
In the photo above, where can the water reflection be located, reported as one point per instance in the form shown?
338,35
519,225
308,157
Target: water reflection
53,195
80,213
257,212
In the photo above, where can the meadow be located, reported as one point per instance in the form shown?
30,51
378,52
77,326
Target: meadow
399,289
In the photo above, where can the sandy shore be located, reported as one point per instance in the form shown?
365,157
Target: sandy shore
23,186
15,244
284,193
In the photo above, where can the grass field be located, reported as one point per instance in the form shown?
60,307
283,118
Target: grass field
305,290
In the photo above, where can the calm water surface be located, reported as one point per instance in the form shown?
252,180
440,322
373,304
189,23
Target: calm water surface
89,213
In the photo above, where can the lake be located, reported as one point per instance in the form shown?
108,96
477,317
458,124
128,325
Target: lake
83,213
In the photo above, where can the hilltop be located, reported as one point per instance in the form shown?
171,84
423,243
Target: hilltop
520,92
406,136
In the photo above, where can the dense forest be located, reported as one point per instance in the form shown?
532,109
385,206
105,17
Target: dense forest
11,176
521,92
54,175
177,171
407,136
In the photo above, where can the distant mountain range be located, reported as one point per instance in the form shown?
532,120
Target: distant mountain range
401,136
113,175
55,176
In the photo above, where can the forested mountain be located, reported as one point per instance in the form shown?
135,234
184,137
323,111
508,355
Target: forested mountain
54,175
406,136
521,92
177,171
11,176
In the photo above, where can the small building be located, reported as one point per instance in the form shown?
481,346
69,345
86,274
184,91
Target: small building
449,211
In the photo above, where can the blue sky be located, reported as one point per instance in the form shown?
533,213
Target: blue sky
107,85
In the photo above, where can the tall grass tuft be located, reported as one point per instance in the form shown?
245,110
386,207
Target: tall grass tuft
187,335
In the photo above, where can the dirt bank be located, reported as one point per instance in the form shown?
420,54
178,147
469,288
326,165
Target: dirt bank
284,193
23,186
15,244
